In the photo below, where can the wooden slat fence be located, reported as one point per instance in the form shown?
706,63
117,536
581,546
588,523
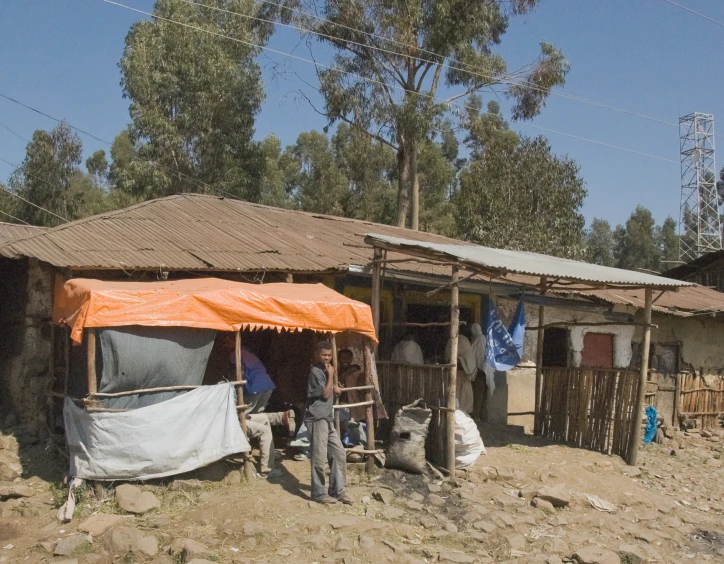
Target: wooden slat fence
402,384
589,407
701,401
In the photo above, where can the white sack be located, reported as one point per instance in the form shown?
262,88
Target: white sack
172,437
468,443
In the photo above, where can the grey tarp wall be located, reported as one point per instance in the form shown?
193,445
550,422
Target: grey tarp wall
135,358
173,437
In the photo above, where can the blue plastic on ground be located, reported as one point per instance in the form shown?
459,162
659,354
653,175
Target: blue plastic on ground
650,430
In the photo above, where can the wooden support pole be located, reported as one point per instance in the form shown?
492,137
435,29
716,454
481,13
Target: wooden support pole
66,358
93,388
248,467
451,392
539,360
51,381
635,436
358,404
677,402
369,412
91,345
376,290
335,365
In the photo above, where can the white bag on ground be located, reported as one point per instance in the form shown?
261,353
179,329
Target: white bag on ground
468,443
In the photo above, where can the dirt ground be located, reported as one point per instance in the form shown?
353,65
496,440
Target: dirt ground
668,509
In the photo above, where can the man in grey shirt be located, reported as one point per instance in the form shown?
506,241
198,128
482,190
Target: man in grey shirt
324,440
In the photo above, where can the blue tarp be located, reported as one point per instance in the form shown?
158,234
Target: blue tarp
650,430
504,346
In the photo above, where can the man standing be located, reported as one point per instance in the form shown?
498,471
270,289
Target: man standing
324,440
408,351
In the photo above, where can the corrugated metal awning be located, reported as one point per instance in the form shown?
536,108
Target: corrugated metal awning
499,263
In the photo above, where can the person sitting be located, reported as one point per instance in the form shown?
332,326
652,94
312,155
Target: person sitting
466,372
258,428
408,351
351,376
259,385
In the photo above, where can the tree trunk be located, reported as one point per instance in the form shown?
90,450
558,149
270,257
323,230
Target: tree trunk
415,186
403,197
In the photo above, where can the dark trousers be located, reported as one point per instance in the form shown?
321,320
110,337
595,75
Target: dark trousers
326,447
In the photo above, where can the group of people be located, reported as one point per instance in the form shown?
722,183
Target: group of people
325,445
470,360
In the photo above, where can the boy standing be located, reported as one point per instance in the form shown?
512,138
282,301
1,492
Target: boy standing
324,440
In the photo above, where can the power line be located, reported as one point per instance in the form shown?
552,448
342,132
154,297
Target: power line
337,69
15,218
16,134
494,78
28,201
687,9
194,181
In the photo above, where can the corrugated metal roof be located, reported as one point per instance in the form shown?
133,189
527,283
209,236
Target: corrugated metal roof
501,262
13,231
197,232
683,271
687,301
193,232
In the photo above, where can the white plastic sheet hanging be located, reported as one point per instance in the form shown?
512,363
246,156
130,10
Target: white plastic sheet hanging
172,437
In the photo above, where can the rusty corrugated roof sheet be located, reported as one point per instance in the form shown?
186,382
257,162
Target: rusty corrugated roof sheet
13,231
687,301
193,232
198,232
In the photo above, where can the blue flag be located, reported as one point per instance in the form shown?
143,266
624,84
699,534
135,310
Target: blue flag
505,346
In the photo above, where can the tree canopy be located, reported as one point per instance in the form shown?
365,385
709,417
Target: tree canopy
393,60
193,98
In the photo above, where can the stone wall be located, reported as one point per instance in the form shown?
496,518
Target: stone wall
25,363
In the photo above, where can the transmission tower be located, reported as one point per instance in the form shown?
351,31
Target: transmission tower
699,222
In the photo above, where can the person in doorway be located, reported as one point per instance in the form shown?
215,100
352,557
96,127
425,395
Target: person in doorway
325,444
259,385
258,427
408,351
467,371
351,376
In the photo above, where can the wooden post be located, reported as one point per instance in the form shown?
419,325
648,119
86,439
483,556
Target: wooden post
369,413
51,381
539,360
91,346
66,358
248,467
677,402
335,365
635,436
451,392
376,289
93,388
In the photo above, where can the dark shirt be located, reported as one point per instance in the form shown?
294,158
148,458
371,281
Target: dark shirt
318,408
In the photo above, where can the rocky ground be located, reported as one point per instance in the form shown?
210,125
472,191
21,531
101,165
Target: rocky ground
526,501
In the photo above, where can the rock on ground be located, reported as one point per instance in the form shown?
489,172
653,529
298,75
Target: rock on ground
100,523
557,495
596,555
133,499
125,539
188,549
458,557
67,545
8,492
542,504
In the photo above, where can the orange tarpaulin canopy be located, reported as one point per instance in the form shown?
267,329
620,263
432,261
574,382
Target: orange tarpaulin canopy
207,303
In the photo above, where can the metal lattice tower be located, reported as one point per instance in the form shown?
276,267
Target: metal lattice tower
699,221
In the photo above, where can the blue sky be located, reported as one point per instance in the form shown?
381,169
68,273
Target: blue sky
646,56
